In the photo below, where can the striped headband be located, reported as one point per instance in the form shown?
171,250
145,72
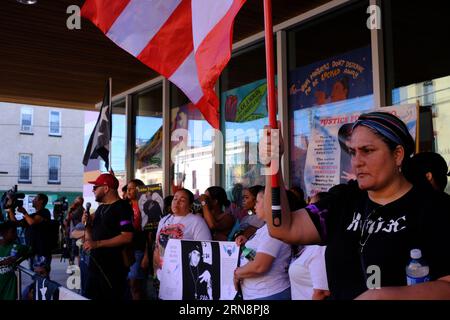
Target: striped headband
390,127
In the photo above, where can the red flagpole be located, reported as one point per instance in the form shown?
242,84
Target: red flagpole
268,30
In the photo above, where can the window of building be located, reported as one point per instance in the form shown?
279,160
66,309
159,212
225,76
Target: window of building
191,148
54,169
25,168
148,132
26,120
118,141
418,67
243,88
54,123
326,78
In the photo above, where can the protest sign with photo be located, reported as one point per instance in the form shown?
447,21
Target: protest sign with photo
151,204
198,270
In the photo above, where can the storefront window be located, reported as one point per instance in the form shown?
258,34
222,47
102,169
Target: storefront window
148,130
244,104
191,145
326,80
118,142
418,68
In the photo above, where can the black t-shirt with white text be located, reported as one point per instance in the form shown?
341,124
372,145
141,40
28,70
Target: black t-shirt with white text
111,220
360,234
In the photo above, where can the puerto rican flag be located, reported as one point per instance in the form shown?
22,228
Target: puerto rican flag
187,41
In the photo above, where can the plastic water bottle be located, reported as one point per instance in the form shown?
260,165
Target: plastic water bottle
14,251
417,270
248,253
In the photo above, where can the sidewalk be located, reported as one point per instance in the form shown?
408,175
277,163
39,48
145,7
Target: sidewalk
59,275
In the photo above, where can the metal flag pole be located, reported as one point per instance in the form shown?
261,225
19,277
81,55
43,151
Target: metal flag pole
268,31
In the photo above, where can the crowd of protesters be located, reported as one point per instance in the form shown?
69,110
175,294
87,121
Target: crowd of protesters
320,251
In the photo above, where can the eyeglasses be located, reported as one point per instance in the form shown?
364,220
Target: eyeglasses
95,187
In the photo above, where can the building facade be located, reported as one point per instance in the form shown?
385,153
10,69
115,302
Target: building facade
340,57
42,151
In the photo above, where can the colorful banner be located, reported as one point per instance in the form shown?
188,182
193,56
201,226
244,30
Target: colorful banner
245,110
336,85
246,103
327,159
339,78
198,270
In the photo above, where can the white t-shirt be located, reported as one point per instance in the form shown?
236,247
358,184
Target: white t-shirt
276,279
188,227
308,272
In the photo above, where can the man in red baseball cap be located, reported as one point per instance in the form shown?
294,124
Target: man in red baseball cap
107,234
106,179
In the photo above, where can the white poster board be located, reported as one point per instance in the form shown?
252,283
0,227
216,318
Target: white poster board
327,164
198,270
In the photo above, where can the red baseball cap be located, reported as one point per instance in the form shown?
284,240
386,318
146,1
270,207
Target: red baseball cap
106,179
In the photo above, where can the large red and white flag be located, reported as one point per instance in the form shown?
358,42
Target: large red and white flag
187,41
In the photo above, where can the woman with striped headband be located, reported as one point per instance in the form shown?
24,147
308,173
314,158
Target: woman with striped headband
370,225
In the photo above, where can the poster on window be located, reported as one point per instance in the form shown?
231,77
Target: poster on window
336,85
151,206
246,103
198,270
328,159
442,131
335,79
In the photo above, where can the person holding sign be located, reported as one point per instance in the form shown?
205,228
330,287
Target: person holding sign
180,224
371,225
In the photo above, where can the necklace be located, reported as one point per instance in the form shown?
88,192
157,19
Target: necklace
362,241
104,210
194,279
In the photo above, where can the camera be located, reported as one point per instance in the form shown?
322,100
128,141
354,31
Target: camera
60,206
12,199
62,203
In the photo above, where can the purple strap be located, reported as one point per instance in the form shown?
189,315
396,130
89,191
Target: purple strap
318,217
124,222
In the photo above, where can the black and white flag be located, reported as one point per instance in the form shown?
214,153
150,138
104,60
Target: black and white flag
100,140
